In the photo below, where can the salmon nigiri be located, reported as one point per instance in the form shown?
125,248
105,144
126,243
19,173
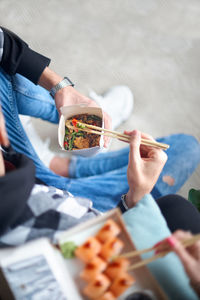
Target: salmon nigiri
116,267
121,283
88,250
95,266
107,296
97,287
111,248
109,230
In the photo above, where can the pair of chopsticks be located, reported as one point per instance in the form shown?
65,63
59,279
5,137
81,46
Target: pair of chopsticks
114,134
186,243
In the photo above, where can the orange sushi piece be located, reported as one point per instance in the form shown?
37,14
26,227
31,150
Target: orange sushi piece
107,296
94,267
116,267
97,287
88,250
121,284
109,230
111,248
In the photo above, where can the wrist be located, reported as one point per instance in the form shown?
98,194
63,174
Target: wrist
133,197
62,95
49,79
65,82
65,90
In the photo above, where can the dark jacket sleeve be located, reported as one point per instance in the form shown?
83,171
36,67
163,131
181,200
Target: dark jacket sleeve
19,58
15,189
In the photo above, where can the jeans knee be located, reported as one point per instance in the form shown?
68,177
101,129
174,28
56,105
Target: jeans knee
186,143
191,149
192,144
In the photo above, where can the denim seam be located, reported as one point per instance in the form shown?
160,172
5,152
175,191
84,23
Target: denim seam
27,93
36,99
32,96
14,108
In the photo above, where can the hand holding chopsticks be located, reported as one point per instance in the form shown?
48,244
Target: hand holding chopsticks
114,134
161,249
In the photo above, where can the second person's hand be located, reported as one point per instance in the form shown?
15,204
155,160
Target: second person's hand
144,168
190,257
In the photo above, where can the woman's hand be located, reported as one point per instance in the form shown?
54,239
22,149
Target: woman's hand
144,168
190,257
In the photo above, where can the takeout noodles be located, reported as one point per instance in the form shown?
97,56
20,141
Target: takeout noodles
75,138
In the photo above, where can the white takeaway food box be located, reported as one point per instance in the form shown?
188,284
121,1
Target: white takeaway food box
66,113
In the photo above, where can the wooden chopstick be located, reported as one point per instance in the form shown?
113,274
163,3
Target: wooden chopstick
147,261
98,132
134,253
191,240
185,243
115,134
153,143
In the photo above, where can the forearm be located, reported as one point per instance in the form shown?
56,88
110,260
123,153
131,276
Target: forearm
49,79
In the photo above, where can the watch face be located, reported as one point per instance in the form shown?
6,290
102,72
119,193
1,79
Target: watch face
68,81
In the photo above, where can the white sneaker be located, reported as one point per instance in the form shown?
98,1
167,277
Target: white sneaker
117,102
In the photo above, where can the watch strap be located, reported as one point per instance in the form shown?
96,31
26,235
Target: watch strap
63,83
122,204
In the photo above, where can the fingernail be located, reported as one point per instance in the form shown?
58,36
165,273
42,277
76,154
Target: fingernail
171,241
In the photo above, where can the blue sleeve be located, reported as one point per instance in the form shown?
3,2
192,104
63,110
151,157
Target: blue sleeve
147,226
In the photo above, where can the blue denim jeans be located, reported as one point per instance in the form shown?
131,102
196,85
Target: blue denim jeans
101,178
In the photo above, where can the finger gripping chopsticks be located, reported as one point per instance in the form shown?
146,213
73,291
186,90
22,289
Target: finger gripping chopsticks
113,134
186,243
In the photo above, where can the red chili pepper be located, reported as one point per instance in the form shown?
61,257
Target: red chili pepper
74,122
65,144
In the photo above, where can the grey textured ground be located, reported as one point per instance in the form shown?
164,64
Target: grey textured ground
153,46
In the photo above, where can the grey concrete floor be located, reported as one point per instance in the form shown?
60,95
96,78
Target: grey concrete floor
152,46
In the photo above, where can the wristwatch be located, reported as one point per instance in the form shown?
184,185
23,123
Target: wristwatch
65,82
122,204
